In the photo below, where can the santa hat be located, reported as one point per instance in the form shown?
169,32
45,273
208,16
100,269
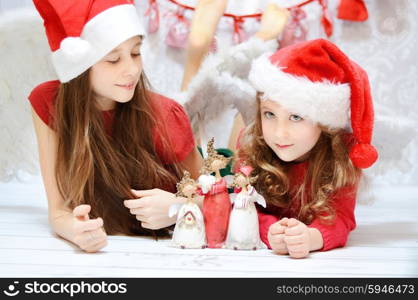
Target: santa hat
316,80
81,32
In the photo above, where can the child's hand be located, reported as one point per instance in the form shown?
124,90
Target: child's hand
273,21
297,238
276,236
151,208
89,234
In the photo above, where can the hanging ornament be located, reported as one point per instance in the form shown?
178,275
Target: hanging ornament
326,20
352,10
294,31
178,30
153,15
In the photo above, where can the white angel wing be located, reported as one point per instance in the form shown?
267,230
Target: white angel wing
24,55
174,209
259,199
222,84
232,197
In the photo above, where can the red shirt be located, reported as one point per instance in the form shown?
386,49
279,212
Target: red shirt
334,235
177,124
343,200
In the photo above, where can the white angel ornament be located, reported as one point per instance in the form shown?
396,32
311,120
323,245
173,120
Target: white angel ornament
243,229
189,231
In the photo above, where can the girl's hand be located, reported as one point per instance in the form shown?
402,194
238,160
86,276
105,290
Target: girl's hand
273,21
89,234
151,208
276,236
297,238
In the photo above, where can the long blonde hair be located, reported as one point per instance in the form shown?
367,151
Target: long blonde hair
329,168
99,169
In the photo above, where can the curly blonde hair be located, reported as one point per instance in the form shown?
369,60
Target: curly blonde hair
253,179
329,168
186,180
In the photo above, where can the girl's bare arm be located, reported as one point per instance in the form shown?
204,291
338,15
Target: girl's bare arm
73,226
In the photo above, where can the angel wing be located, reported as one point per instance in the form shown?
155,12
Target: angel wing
174,209
259,199
221,84
24,55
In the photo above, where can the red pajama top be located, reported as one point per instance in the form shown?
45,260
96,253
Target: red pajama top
343,201
334,235
170,113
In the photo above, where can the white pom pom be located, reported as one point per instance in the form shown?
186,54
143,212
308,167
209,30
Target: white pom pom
206,182
75,48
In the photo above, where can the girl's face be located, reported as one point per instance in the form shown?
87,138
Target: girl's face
115,77
290,136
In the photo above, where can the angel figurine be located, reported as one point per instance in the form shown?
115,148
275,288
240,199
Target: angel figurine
243,230
189,231
216,204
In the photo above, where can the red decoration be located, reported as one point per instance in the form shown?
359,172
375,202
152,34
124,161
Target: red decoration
179,30
326,20
216,211
352,10
294,31
239,32
238,20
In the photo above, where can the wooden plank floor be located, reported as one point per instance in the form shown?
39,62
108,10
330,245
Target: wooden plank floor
385,244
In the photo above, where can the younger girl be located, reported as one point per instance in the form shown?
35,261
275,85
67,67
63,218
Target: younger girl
310,138
103,136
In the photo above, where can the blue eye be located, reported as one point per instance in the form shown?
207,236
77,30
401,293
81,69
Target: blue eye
268,114
295,118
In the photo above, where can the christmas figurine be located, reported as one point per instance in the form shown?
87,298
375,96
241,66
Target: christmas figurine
189,231
243,231
216,204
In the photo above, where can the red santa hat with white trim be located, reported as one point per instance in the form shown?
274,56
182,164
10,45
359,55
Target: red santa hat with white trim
317,81
81,32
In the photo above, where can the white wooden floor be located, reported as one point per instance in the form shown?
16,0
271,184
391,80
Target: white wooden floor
385,244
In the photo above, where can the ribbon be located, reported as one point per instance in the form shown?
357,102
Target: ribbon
239,33
326,20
